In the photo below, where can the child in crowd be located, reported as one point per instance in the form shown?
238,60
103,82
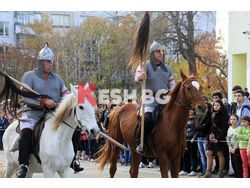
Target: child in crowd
233,145
243,135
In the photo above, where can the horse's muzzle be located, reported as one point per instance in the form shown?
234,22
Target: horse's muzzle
201,106
94,132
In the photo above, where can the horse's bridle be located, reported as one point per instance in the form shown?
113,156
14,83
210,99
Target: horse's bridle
75,115
187,106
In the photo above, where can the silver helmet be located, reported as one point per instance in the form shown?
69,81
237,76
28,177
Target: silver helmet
155,46
46,54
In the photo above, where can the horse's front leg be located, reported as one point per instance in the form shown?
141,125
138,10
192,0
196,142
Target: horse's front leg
66,173
175,166
163,162
47,172
134,168
29,175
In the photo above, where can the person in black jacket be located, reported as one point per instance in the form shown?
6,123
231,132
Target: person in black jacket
233,106
189,161
202,130
217,137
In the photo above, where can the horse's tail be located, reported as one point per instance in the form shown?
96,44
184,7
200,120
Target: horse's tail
106,151
104,157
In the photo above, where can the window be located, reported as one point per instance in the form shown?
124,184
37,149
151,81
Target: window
60,20
4,28
25,18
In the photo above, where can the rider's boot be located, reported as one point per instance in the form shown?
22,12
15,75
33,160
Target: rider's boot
75,164
25,144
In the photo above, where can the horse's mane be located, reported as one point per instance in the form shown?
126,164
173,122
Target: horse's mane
64,109
174,93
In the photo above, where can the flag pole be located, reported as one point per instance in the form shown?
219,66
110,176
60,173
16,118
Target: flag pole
137,57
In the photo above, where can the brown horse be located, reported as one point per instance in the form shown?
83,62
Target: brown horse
168,138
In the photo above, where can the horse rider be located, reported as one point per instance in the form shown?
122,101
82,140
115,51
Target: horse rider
45,82
158,76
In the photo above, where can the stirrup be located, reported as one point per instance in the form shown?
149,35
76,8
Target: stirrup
140,150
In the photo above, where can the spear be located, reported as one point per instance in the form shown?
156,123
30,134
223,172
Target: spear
138,56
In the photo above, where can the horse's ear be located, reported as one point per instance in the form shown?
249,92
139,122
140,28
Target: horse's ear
183,76
73,90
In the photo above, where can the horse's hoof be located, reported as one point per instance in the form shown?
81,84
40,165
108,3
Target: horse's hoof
22,171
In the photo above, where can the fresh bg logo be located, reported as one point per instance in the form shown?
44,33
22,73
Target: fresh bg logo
104,95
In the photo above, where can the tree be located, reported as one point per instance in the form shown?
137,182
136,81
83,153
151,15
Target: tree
43,33
180,36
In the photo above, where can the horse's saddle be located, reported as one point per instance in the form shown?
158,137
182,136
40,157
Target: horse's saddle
156,116
37,132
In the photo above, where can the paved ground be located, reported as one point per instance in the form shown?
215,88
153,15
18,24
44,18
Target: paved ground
91,171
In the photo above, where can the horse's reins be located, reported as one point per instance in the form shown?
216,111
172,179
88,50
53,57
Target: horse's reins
75,115
186,106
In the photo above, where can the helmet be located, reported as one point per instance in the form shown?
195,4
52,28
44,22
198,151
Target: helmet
155,46
46,54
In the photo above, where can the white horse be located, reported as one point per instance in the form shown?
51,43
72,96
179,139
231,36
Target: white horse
56,148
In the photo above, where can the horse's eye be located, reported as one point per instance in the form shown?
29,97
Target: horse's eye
81,107
188,87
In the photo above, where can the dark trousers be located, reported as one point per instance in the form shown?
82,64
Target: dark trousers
76,142
93,148
76,139
236,163
146,160
147,128
189,161
25,146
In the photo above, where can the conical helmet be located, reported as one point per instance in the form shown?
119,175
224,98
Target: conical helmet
46,54
155,46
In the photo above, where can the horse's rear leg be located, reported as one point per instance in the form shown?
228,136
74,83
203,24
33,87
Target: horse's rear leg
175,167
113,161
134,168
163,162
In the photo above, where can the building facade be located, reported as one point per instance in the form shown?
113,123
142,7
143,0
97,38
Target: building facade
14,24
238,51
7,21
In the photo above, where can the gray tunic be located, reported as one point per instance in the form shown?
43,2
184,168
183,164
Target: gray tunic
158,77
53,87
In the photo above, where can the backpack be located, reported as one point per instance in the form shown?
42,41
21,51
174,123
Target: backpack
245,106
